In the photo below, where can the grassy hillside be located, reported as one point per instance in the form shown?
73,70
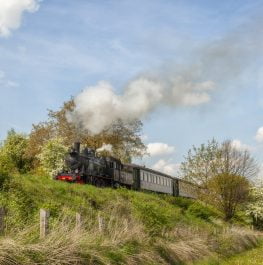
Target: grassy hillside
138,228
251,257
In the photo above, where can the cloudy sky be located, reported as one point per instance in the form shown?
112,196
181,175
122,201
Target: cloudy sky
191,70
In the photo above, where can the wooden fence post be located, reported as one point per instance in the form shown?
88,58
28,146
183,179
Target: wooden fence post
101,223
78,220
2,220
44,215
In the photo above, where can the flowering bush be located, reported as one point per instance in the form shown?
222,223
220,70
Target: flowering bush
255,208
52,156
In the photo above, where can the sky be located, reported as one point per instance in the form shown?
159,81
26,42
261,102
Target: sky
204,58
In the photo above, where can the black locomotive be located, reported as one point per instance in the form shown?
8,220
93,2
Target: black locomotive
88,168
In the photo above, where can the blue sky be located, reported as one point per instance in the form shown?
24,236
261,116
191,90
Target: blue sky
56,48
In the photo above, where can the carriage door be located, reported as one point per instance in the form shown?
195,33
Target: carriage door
136,179
175,187
117,173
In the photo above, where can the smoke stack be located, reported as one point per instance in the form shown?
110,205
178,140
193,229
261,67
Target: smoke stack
77,147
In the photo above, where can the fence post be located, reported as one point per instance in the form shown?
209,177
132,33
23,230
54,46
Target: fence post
44,215
78,220
101,223
2,220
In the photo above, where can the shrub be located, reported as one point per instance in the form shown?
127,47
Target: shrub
183,203
52,156
200,210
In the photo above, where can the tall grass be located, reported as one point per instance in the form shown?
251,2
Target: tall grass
138,228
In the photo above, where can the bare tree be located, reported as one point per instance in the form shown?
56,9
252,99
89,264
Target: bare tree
212,159
223,171
236,162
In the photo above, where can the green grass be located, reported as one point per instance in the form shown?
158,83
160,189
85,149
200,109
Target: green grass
139,227
251,257
25,195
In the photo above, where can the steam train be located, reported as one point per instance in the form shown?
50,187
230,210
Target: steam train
87,168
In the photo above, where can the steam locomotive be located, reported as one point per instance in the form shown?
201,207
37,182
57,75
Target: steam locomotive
87,168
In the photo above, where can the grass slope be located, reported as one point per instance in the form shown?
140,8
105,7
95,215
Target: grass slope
138,227
252,257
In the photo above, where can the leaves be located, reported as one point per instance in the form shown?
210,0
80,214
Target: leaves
52,156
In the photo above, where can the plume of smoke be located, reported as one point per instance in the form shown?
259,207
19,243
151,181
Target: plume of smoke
105,147
97,107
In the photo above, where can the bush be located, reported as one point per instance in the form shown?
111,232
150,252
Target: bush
13,154
52,156
202,211
183,203
156,215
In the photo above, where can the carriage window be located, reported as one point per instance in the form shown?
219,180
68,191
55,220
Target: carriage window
111,164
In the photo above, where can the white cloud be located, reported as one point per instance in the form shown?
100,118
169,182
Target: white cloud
240,146
158,149
259,135
166,166
11,12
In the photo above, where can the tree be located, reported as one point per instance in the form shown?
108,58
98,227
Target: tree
13,153
222,171
214,159
124,137
52,156
227,192
200,163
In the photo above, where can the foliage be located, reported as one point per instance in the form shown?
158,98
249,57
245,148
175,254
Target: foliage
123,137
139,228
214,159
156,217
52,155
13,154
227,192
255,207
202,211
200,163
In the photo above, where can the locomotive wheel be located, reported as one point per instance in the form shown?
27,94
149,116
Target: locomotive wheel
100,183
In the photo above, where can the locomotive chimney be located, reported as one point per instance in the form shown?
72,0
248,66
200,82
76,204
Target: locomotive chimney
77,147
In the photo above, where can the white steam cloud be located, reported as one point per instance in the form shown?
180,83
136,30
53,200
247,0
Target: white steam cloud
99,106
105,147
11,12
191,84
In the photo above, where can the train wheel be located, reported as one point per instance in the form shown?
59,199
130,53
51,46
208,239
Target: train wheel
99,183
